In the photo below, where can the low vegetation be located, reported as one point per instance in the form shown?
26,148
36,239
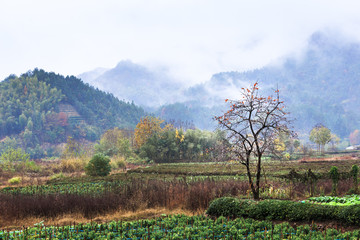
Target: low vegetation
336,201
181,227
284,210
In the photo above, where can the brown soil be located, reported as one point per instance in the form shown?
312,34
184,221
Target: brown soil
329,159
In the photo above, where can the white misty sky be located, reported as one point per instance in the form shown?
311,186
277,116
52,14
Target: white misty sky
192,39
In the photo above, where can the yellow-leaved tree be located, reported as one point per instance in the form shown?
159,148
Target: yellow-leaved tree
147,127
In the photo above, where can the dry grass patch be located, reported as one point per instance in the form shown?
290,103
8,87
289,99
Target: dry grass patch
71,219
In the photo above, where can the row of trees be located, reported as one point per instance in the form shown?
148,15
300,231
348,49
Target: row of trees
155,141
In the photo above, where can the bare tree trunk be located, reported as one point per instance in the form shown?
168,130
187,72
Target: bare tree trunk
253,189
258,176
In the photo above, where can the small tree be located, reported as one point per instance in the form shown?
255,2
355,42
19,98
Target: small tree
99,165
11,157
354,173
320,135
72,149
146,128
334,141
334,175
115,142
252,124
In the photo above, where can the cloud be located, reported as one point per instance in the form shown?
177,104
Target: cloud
193,39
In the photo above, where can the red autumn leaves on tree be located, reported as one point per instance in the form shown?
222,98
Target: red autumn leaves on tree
252,123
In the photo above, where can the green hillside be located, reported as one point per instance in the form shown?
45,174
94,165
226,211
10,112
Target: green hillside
40,108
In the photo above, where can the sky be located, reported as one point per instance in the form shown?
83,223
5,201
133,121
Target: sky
190,39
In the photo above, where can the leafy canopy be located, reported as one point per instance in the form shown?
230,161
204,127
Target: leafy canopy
99,165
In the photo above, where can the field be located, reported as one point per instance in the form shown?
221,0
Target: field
162,188
181,227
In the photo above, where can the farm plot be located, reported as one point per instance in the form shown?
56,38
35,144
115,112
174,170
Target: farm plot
180,227
336,201
80,188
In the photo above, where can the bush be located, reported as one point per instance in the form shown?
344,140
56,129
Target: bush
229,207
70,165
118,162
31,166
57,176
99,165
14,180
334,175
283,210
11,157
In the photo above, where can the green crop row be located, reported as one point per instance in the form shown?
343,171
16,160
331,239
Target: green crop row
70,188
340,201
283,210
180,227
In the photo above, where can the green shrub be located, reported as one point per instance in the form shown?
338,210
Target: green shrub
99,165
334,175
118,162
57,176
283,210
14,180
228,206
10,158
31,166
354,173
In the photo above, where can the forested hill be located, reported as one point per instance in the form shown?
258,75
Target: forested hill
40,107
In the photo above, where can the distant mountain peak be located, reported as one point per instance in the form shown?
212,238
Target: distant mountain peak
135,82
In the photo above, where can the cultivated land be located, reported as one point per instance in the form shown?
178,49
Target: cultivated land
147,192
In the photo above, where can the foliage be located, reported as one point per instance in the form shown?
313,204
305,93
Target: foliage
31,110
252,124
320,135
180,227
79,188
14,180
118,162
227,206
99,165
57,176
284,145
334,175
146,128
109,111
355,173
177,145
115,142
290,211
24,103
336,201
11,158
72,164
72,149
8,143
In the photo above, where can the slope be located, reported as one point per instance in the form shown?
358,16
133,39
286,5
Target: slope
40,107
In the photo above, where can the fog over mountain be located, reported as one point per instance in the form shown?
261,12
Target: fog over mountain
320,86
134,82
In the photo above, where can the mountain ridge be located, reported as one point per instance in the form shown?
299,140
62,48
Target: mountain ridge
319,86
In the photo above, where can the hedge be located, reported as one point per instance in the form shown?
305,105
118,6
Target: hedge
283,210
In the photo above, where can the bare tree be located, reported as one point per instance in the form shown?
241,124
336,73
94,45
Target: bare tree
252,124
